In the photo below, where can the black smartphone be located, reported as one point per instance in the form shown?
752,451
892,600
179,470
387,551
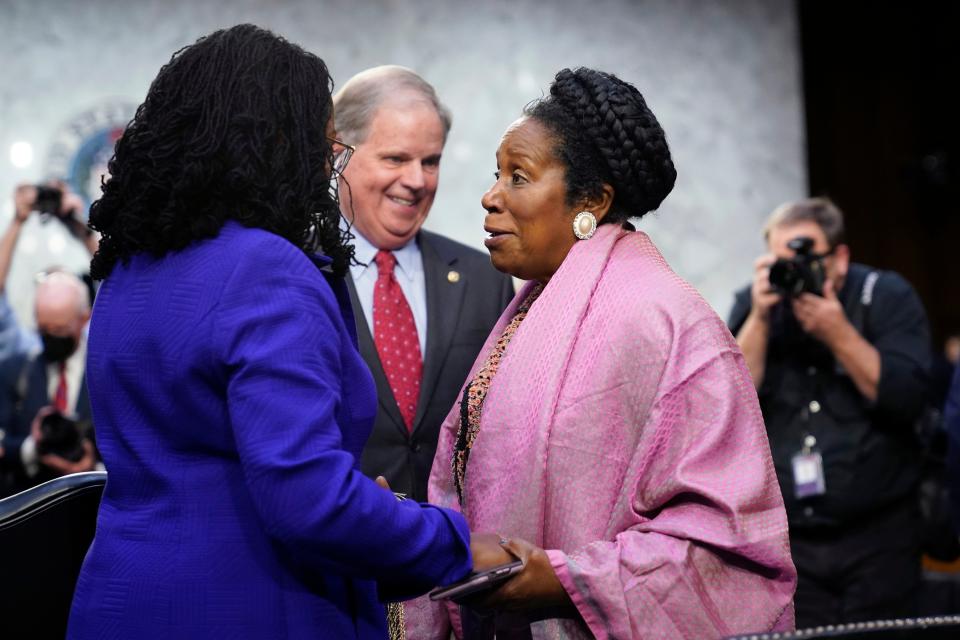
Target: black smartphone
476,582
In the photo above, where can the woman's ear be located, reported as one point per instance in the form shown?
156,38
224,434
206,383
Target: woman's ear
600,205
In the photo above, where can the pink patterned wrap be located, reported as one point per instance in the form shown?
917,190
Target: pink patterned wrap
622,434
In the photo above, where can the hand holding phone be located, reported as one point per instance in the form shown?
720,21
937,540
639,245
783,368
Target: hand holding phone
477,582
488,551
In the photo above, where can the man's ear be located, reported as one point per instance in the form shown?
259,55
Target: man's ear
600,205
842,255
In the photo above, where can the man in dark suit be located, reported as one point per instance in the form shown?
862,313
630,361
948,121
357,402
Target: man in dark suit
35,383
424,304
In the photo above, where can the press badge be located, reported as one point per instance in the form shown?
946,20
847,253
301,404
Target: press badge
808,477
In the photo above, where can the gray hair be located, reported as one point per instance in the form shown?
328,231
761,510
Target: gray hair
822,211
358,100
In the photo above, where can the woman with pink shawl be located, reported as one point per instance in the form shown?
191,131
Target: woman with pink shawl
609,430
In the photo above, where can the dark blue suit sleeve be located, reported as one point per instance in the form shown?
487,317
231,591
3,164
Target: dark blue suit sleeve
280,336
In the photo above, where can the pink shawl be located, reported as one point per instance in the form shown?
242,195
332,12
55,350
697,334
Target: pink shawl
622,434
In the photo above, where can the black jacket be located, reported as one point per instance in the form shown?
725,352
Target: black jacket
870,453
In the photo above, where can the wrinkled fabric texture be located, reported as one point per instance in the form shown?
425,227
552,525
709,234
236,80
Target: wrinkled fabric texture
622,434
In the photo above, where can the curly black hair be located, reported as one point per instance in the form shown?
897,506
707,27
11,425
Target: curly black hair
232,128
606,134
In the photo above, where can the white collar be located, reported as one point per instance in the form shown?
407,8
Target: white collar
408,256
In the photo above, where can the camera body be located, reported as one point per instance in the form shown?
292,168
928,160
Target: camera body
803,273
49,200
61,436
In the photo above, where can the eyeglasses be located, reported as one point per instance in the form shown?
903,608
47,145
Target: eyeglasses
342,155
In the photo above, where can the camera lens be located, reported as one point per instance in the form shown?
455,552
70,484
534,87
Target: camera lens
785,276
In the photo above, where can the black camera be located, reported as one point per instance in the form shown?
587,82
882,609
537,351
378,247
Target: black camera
61,436
803,273
49,200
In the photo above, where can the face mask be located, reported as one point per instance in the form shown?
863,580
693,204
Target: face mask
57,348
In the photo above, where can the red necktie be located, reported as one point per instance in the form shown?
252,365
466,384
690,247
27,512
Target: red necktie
395,335
60,397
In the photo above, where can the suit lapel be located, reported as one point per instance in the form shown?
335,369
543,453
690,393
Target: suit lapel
444,304
368,351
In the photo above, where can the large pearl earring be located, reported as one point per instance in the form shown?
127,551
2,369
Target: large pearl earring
584,225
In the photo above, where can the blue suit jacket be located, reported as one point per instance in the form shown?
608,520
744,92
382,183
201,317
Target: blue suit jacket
231,407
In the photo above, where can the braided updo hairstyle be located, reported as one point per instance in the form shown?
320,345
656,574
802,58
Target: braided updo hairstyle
232,128
605,133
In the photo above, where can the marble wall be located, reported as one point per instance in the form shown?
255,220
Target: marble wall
723,77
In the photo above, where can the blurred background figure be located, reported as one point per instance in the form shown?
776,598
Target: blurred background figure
840,355
44,407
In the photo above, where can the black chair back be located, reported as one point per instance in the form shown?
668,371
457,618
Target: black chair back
45,532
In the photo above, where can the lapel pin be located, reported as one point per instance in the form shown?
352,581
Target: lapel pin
453,276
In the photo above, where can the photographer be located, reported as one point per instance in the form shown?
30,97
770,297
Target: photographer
839,353
37,371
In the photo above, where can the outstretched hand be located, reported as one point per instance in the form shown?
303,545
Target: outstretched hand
24,199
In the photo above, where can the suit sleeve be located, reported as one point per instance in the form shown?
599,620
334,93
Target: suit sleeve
280,336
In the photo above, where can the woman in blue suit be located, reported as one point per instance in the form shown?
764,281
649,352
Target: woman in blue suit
230,401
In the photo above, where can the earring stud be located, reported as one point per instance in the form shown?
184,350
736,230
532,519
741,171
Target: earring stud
584,225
